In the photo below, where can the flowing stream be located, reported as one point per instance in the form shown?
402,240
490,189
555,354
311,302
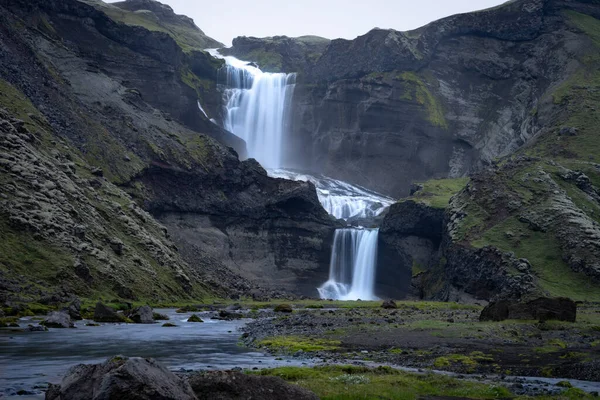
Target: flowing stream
31,360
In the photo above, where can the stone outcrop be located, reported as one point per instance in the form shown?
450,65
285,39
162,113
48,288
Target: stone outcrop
121,378
409,244
117,109
542,309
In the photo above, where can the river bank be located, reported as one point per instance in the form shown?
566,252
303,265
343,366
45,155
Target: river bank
324,346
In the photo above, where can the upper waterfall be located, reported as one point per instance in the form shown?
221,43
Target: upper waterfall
257,108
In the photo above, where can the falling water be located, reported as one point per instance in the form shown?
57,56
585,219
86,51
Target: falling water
257,108
352,266
340,199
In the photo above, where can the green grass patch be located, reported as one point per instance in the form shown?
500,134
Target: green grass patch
337,382
437,192
544,253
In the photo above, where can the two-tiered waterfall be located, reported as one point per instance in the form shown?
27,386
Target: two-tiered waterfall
257,108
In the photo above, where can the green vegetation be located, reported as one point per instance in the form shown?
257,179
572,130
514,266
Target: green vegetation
437,192
187,37
337,382
416,89
267,61
543,252
292,344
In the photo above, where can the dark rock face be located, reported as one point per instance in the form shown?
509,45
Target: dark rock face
124,100
142,315
409,239
121,378
104,313
279,53
227,385
439,101
389,304
58,319
542,309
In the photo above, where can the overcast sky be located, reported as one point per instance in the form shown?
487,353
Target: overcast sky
224,20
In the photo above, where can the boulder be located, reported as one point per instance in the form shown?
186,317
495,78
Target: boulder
229,385
228,316
58,319
194,318
389,304
284,308
121,378
142,315
104,313
74,310
542,309
36,328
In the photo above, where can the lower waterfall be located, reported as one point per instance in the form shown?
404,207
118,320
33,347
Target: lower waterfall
352,266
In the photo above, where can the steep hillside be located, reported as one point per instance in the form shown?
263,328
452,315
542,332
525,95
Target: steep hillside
108,129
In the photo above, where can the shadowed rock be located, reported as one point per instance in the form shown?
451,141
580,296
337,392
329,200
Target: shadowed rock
58,319
121,378
543,309
142,315
227,385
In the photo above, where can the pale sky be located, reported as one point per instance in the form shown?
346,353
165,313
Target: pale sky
224,20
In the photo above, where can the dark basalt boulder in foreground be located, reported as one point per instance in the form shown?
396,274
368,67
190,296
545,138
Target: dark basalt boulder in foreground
227,385
121,378
145,379
543,309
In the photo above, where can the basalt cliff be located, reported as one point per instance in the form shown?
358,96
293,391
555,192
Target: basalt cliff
114,183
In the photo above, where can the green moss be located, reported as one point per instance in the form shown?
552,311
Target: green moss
187,37
418,90
544,253
266,60
437,192
336,382
21,253
298,343
194,318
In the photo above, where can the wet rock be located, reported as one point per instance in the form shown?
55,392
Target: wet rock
284,308
121,378
36,328
228,316
142,315
230,385
389,304
194,318
104,313
58,319
74,310
169,325
160,317
543,309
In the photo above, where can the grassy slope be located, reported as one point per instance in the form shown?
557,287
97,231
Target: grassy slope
488,224
188,38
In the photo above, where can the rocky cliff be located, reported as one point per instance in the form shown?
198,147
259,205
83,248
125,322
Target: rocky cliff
102,134
441,101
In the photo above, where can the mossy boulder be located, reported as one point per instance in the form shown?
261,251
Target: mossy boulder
194,318
284,308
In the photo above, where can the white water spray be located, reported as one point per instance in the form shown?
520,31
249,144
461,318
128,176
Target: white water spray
352,267
257,108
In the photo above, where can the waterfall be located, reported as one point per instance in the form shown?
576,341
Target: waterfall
257,108
340,199
352,266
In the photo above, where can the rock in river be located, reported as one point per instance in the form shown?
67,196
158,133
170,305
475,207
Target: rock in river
58,319
142,315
